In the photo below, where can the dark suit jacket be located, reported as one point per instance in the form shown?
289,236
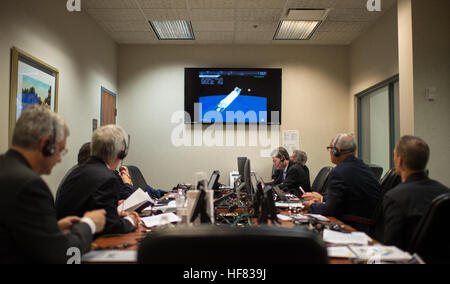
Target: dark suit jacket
404,206
295,177
352,191
29,232
93,186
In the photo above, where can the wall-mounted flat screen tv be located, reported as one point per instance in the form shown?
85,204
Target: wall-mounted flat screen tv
233,95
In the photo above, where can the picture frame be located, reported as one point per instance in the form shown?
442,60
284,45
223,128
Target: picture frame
32,82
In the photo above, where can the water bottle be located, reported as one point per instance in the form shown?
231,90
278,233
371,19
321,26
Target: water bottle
181,206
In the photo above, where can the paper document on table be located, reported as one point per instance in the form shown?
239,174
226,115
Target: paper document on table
340,252
380,253
136,200
318,217
161,219
284,217
357,238
287,205
110,256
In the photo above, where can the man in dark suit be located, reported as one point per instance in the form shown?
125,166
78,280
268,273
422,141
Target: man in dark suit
292,175
95,184
353,191
405,204
29,230
299,157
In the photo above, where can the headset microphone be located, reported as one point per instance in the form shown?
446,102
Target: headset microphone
49,147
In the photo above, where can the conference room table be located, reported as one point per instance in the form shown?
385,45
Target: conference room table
130,241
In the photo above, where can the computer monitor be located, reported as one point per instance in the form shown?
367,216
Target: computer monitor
214,181
241,165
254,181
247,179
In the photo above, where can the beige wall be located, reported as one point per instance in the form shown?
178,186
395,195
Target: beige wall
151,87
373,58
431,49
84,55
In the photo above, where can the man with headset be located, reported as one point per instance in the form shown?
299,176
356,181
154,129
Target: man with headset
29,230
292,175
353,191
95,184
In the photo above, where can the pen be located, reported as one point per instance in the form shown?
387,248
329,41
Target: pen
301,189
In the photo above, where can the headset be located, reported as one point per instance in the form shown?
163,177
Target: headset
49,147
336,152
123,154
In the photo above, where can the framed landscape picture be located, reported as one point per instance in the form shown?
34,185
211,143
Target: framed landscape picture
32,82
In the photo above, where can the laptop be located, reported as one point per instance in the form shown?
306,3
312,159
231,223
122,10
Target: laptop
280,193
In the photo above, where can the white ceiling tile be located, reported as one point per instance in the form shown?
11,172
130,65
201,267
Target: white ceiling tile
258,36
211,4
229,21
109,4
330,26
253,42
109,15
354,4
133,36
166,14
162,4
257,26
311,3
214,42
212,14
258,14
333,36
126,26
261,4
204,26
341,14
227,36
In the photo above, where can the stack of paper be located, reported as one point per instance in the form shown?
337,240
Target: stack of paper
138,199
318,217
357,238
159,220
340,252
287,205
376,254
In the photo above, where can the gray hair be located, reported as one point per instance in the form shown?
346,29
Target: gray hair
346,143
300,157
38,122
107,142
280,153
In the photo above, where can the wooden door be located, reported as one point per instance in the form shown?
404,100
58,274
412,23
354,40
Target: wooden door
109,111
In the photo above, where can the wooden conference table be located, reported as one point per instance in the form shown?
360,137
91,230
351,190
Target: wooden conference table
130,241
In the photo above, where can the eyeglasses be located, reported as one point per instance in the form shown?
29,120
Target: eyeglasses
330,147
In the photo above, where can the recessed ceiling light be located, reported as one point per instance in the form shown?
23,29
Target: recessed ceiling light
296,30
173,30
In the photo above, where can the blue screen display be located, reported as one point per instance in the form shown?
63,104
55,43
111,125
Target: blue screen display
233,95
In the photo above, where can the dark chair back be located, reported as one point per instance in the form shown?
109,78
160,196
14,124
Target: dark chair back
212,244
377,170
137,178
320,183
430,241
388,182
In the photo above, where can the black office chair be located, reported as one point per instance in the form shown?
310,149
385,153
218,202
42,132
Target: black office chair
137,178
377,170
388,182
430,241
212,244
320,183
